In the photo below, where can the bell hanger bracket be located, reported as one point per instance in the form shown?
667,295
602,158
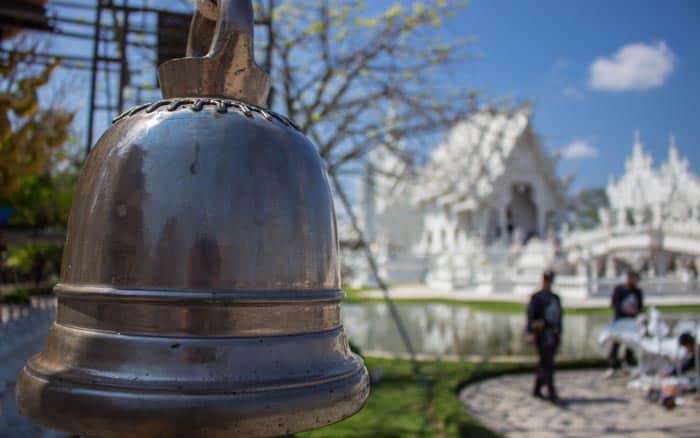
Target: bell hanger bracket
220,60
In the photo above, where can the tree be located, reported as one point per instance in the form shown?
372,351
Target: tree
339,69
355,80
28,134
586,205
43,201
35,260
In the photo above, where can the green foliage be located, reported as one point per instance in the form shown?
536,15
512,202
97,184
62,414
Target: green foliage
586,206
22,296
356,296
34,260
43,201
19,296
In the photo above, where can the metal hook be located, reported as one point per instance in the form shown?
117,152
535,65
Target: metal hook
220,60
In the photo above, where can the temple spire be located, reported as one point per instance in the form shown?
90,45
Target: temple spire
675,162
638,151
672,148
639,160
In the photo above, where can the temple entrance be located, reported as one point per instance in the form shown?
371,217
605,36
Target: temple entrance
521,213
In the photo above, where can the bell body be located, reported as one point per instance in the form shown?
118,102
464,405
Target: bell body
200,289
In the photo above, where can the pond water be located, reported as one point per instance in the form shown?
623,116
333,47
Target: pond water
457,330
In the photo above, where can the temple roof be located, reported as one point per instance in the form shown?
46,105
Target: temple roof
464,168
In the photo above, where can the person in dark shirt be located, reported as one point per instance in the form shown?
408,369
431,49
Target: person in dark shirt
687,341
544,316
627,302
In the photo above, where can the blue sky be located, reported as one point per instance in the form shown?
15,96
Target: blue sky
645,56
544,50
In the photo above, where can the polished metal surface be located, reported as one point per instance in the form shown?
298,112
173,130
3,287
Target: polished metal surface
200,287
203,194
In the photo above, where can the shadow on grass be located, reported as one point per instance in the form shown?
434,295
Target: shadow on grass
403,405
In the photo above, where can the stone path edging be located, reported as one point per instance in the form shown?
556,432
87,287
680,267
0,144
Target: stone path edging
597,408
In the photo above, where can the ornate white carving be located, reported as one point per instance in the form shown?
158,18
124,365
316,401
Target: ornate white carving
486,215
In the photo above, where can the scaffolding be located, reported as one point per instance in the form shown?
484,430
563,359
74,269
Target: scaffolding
119,42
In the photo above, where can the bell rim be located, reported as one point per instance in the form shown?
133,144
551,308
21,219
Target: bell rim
277,411
75,380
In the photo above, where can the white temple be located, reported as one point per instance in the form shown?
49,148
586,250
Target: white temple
652,226
488,213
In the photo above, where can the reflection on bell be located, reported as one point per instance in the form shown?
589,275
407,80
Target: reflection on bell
200,290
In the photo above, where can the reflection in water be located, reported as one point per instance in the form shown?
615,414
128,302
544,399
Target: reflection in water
440,329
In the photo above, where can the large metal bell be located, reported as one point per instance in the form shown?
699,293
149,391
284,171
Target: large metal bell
200,289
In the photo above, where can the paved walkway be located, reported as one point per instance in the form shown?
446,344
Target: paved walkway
597,408
22,333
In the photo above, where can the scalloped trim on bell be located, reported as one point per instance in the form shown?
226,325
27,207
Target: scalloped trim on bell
197,104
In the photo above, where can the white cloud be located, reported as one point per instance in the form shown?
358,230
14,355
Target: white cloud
634,66
577,150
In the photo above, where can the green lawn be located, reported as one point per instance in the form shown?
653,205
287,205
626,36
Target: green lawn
401,405
487,306
21,296
354,296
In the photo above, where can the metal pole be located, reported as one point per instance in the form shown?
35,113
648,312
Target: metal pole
93,76
269,49
123,65
375,271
